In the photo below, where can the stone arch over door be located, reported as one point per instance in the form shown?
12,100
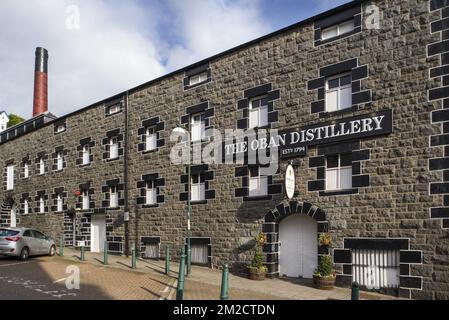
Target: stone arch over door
5,211
271,228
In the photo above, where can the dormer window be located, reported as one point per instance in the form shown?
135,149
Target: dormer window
198,78
60,128
337,30
115,108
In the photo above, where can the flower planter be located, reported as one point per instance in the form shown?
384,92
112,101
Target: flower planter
257,274
324,283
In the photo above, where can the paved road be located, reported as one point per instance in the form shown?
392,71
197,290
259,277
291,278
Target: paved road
46,277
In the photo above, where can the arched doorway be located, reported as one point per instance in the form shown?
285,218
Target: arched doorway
296,236
298,247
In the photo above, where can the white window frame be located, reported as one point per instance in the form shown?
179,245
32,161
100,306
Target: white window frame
26,207
26,170
113,142
41,204
59,203
113,197
198,126
340,173
198,189
85,205
198,78
150,138
338,29
59,161
114,108
339,91
10,177
150,193
258,116
257,184
86,154
41,166
60,128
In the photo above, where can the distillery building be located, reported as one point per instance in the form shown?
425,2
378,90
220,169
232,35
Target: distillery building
358,97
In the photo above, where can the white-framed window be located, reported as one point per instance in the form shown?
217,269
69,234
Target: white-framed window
114,108
197,78
85,200
59,203
60,128
337,29
26,170
86,154
113,148
59,161
258,184
258,112
198,126
113,197
41,204
338,92
150,139
198,191
10,177
41,166
150,193
26,207
339,172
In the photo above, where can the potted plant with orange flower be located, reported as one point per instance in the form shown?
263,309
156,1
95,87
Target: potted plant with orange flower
324,277
257,268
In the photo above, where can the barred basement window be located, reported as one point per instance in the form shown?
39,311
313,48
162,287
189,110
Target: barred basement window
198,78
41,166
59,203
26,170
150,139
113,197
85,200
59,161
198,191
26,206
258,184
339,172
338,93
86,154
150,193
336,30
113,148
198,127
10,177
41,205
258,112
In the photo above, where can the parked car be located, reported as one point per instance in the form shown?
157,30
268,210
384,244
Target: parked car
25,242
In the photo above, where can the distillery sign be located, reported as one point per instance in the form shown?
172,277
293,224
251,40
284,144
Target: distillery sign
294,143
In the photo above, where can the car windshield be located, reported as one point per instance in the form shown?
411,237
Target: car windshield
8,233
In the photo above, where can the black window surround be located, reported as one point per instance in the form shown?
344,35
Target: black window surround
113,134
85,187
204,108
90,144
158,183
273,187
205,68
59,127
158,126
208,177
110,105
354,13
61,192
106,190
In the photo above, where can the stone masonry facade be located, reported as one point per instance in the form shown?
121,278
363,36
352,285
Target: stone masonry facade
389,206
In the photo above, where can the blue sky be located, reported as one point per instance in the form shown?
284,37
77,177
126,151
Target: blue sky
99,48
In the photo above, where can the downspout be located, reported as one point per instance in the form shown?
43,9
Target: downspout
125,177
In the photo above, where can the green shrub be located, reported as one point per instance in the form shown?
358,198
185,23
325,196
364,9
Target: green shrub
324,266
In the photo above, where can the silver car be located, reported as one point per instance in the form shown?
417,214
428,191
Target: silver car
24,242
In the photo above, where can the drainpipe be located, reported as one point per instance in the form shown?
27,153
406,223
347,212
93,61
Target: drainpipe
126,177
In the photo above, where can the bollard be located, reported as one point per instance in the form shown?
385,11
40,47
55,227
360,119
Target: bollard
133,257
224,283
105,252
355,291
189,257
82,253
167,260
61,247
180,289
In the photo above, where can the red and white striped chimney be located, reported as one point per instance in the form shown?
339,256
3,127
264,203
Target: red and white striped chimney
40,101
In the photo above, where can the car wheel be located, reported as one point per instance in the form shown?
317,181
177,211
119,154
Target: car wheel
52,251
24,254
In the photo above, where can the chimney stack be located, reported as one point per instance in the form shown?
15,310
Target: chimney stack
40,101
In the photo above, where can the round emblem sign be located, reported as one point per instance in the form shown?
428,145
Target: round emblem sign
290,181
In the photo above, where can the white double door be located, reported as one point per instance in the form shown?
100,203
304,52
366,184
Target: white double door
298,256
97,233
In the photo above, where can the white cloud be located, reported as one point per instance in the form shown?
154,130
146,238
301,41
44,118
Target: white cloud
119,45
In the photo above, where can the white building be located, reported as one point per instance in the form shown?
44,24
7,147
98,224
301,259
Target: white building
4,119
